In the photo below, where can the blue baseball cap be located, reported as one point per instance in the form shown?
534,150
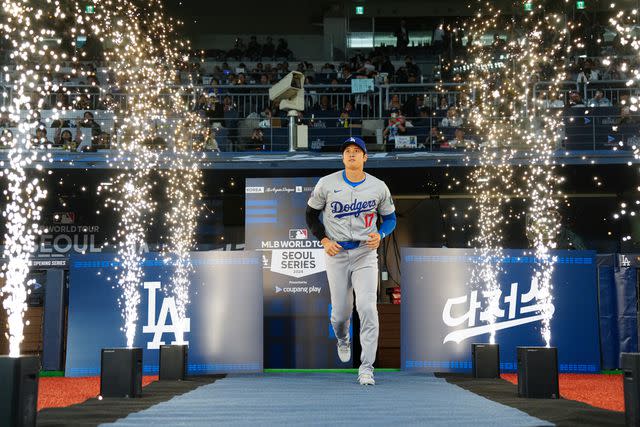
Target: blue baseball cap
354,140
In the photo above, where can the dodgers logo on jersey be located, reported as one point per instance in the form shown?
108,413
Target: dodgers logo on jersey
157,329
355,208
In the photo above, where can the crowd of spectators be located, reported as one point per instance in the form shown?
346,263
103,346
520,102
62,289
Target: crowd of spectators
228,94
253,50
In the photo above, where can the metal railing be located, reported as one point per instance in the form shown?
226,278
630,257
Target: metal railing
240,113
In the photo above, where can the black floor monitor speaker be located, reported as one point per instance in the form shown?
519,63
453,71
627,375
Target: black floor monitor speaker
630,364
121,372
173,362
538,372
485,360
18,390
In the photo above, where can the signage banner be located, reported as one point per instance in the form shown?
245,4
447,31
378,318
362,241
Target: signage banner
297,331
224,317
442,314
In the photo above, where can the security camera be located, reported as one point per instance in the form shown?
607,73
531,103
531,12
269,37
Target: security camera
289,91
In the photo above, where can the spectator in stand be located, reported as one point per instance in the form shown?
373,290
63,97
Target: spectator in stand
238,50
309,70
210,143
443,104
558,102
438,38
394,103
265,118
61,101
453,119
346,75
626,118
6,138
5,120
411,66
387,66
413,106
322,112
282,50
435,139
402,37
64,139
264,80
253,49
201,103
542,100
599,100
498,45
241,80
82,103
88,121
575,100
396,127
256,143
40,138
327,68
366,68
259,68
349,116
37,119
269,49
460,142
212,109
108,102
423,119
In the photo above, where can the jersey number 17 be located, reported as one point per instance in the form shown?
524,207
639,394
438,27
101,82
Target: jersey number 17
368,219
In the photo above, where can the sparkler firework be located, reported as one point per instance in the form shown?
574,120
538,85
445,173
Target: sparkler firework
507,119
145,63
32,60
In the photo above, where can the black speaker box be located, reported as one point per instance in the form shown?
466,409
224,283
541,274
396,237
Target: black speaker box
485,360
538,372
121,372
18,390
630,364
173,362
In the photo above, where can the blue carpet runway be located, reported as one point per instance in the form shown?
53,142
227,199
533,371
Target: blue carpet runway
330,399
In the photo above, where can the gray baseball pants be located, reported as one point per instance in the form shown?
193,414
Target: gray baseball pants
348,271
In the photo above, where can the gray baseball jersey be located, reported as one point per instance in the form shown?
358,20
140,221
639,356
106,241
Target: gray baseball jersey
350,213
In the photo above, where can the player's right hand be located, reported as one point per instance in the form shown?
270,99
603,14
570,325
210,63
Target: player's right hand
331,248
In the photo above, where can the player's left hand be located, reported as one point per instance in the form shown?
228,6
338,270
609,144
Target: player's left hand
374,241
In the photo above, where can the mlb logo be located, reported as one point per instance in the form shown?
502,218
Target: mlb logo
64,218
298,188
298,234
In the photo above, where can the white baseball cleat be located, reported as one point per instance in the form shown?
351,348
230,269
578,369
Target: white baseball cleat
344,351
366,379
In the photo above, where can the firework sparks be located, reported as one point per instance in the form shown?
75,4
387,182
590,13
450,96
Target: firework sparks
145,61
507,119
23,27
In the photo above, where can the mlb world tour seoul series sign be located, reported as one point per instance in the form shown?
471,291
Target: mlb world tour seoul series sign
442,315
297,332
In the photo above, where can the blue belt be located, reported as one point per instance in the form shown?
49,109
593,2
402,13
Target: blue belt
351,244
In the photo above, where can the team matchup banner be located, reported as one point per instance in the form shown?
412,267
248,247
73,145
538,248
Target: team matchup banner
297,330
224,317
442,315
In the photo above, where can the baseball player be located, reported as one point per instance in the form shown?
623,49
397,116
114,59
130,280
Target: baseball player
350,201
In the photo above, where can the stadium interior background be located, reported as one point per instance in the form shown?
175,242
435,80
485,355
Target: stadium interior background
332,44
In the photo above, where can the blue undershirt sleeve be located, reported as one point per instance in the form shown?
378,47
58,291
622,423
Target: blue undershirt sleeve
388,224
